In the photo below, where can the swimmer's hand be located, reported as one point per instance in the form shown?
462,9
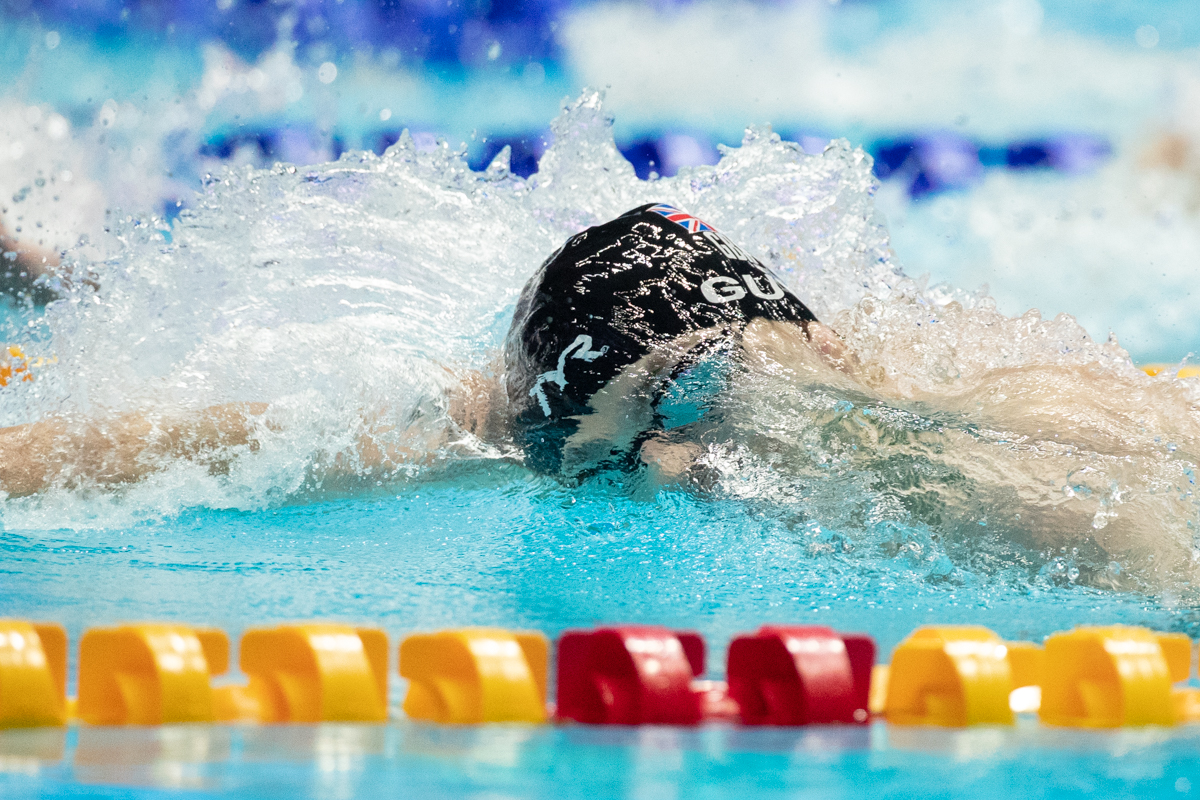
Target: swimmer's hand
675,464
832,349
120,449
476,406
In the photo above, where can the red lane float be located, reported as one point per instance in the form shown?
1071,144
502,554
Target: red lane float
797,675
631,675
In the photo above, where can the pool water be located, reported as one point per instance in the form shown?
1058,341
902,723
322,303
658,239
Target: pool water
522,552
656,763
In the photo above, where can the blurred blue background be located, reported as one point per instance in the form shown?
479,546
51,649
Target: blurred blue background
1040,151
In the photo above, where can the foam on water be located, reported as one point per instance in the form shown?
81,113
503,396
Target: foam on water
352,296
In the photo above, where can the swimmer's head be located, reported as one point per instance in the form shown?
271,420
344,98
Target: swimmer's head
616,309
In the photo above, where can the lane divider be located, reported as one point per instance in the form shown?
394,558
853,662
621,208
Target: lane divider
1175,370
15,366
950,676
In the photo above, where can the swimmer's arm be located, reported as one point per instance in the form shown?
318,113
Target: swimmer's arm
29,457
117,450
476,405
127,448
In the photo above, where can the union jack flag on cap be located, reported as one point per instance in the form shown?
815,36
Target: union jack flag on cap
687,221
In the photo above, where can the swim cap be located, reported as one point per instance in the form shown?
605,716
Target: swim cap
608,297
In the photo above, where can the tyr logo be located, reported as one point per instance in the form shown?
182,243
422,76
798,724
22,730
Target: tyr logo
581,349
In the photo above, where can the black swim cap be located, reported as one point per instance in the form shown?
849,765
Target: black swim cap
607,298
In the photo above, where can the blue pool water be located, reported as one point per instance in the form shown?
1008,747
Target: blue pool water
524,553
412,760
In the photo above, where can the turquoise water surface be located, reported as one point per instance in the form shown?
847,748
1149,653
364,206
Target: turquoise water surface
411,760
829,506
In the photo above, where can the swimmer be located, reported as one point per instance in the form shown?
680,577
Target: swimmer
639,347
605,326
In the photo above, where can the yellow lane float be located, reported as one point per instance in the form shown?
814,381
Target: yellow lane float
1115,677
313,672
1187,371
33,674
475,675
149,674
951,677
14,367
